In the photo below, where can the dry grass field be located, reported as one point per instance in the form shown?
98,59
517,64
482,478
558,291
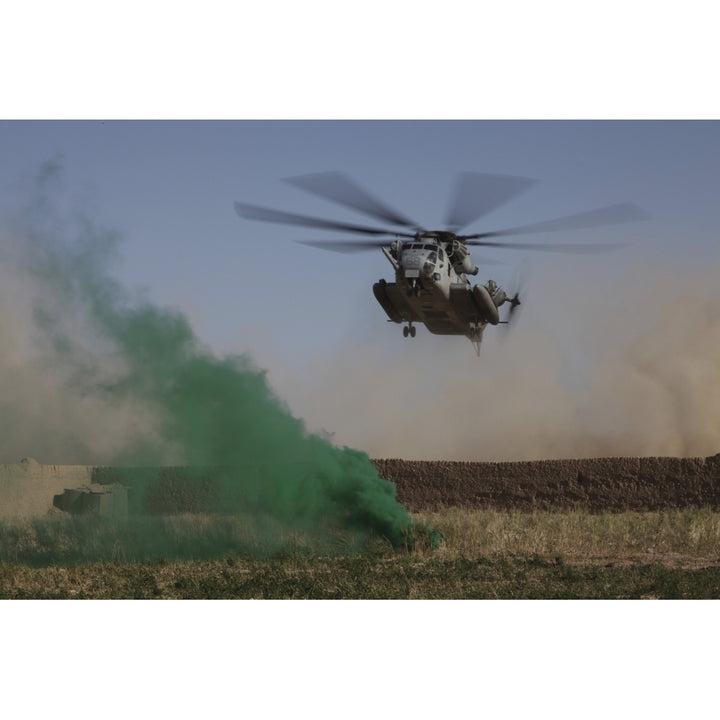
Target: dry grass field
452,553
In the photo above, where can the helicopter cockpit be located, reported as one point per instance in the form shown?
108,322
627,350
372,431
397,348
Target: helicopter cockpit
421,255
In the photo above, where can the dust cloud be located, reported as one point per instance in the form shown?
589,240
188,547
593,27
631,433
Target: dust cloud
626,364
56,399
93,375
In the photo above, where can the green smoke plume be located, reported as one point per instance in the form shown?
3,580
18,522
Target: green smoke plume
217,416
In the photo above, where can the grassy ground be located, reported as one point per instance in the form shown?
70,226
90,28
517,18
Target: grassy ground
482,554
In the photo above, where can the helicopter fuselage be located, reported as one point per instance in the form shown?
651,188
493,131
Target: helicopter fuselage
432,288
432,267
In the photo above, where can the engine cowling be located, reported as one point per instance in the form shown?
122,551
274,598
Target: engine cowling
486,306
461,261
498,295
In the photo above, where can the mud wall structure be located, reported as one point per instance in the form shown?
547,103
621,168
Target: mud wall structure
27,488
606,484
613,484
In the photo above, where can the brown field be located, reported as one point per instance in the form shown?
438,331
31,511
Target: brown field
596,485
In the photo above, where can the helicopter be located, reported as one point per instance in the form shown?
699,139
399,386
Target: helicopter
431,267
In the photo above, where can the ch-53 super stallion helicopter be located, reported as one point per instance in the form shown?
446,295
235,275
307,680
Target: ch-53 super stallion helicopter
432,266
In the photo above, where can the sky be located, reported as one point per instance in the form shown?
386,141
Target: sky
308,317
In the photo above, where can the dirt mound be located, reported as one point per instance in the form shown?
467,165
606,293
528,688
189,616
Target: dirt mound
612,484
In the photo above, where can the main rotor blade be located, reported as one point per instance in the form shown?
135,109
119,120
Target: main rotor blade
355,246
476,194
255,212
570,248
346,246
339,188
610,215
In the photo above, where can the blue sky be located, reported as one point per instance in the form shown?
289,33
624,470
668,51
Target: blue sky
168,188
308,316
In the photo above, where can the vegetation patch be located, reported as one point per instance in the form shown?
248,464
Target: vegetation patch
451,554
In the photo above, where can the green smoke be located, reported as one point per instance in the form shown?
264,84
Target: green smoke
216,415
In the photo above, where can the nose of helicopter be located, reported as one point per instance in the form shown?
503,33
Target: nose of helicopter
420,261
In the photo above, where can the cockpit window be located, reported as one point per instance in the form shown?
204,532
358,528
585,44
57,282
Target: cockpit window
420,246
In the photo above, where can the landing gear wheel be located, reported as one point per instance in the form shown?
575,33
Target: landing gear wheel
412,331
406,331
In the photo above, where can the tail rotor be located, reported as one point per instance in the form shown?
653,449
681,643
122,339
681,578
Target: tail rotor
515,302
